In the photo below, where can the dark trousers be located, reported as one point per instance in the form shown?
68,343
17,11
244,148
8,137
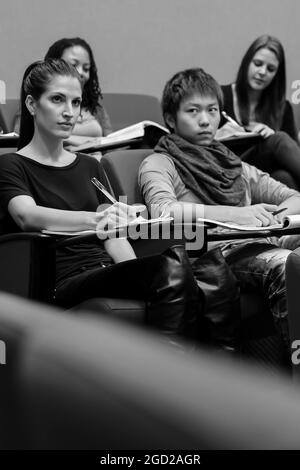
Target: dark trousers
165,282
129,280
260,266
278,155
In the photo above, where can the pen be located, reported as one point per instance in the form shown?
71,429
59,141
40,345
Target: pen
103,190
137,207
280,210
231,120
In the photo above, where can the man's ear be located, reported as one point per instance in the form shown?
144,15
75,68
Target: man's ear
170,121
30,104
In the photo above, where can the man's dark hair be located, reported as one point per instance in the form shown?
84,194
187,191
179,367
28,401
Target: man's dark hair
183,85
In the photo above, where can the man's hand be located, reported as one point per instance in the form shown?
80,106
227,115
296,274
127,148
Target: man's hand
259,215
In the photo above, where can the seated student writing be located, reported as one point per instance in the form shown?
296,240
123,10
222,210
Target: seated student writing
257,101
44,186
191,173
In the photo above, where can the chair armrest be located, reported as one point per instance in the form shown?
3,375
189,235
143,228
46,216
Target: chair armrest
154,239
160,238
27,265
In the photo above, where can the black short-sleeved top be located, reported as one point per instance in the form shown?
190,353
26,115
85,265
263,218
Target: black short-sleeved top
67,188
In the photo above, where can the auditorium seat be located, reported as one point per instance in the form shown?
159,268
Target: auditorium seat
125,109
292,269
8,113
86,383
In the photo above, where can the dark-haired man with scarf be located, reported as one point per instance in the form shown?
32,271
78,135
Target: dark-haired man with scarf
193,175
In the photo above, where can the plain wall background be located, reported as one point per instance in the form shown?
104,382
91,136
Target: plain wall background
139,44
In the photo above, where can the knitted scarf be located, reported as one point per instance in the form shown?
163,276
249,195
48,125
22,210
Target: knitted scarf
211,172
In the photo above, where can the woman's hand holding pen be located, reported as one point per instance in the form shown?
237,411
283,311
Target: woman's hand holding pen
261,129
118,213
115,215
258,127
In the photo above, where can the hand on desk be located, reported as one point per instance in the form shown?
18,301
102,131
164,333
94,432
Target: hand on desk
260,215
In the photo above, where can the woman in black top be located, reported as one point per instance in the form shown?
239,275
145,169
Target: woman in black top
44,186
257,101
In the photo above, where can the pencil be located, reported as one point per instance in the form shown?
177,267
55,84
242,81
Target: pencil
103,190
231,120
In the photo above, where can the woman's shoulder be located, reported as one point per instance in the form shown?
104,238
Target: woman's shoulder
86,162
10,159
288,112
288,123
9,155
12,165
86,159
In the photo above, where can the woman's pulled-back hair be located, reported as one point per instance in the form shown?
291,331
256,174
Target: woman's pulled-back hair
183,85
92,94
35,81
271,106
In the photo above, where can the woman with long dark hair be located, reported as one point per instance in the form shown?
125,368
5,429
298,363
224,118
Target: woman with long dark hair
257,101
93,120
45,186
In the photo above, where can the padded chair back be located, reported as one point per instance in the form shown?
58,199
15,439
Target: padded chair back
88,383
125,109
9,111
121,168
292,268
2,121
18,321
